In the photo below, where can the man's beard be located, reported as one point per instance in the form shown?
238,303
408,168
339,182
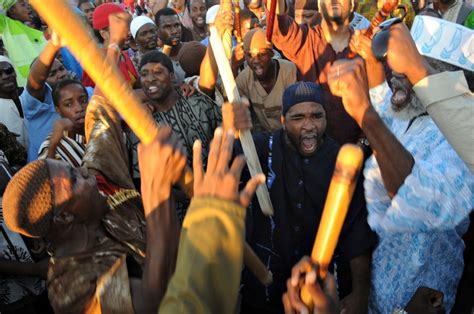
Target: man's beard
336,19
413,108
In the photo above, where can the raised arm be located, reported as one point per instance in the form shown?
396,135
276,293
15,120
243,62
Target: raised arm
40,70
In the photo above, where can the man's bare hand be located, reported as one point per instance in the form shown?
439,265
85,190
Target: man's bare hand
119,27
161,165
324,297
236,116
348,79
220,181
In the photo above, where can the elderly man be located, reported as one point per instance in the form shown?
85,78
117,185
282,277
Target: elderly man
419,192
313,49
299,161
93,219
144,32
264,80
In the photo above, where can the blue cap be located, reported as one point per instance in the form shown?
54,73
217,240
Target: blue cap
301,92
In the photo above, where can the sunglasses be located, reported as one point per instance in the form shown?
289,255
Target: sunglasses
380,39
7,71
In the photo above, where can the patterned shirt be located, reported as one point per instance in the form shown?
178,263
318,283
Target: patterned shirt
192,118
420,229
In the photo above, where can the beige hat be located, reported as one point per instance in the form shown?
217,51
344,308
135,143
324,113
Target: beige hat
255,39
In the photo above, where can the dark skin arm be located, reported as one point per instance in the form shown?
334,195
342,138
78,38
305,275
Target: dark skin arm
209,71
348,79
358,300
161,165
39,71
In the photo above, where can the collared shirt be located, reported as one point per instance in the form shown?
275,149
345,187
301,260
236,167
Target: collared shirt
313,56
39,118
420,229
299,186
267,106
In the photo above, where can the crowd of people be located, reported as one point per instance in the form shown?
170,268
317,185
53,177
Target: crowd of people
93,220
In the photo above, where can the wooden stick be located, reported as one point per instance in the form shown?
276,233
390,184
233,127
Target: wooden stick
245,136
256,266
271,20
60,17
348,164
388,7
237,25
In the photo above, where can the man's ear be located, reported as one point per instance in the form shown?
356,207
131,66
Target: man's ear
104,34
282,120
63,218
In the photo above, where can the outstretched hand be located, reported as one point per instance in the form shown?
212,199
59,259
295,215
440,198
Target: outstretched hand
325,299
219,180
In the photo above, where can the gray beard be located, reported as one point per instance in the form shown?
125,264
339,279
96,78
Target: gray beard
412,109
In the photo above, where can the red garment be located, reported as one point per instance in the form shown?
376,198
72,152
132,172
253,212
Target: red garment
307,48
126,67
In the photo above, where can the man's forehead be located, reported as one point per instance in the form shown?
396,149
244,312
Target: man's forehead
5,65
153,65
197,2
169,19
307,107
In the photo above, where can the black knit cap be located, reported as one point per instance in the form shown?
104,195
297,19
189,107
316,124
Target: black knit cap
301,92
28,201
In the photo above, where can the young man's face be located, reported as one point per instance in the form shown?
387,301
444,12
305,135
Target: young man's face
198,12
169,30
156,81
337,11
58,72
20,11
147,37
8,82
88,9
72,104
305,124
259,61
310,17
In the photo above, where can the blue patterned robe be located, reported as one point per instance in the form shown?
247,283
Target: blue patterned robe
420,229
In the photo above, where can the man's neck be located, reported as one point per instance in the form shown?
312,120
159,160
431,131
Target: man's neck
78,239
268,82
338,35
200,29
167,103
175,50
144,50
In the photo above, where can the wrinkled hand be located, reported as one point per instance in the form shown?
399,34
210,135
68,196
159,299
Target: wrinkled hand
238,56
224,22
403,56
362,45
324,298
161,164
426,300
119,27
236,116
220,181
187,90
348,79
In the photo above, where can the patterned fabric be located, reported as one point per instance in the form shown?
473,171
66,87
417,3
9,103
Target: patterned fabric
13,150
69,149
192,118
420,229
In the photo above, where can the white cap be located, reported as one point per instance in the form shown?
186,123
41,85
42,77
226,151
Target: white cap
138,22
212,13
6,59
445,41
